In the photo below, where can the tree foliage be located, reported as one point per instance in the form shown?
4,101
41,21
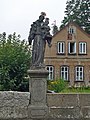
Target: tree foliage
79,12
14,61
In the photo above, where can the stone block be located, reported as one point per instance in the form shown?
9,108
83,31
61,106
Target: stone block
9,99
38,86
86,112
6,103
21,95
84,99
13,113
6,112
62,100
6,95
21,99
38,112
21,102
64,113
38,91
20,112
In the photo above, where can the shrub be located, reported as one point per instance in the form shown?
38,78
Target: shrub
57,85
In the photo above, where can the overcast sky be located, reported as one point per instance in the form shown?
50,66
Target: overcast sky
18,15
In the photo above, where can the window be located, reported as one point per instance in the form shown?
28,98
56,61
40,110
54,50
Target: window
71,30
51,72
72,47
61,47
82,48
79,73
64,72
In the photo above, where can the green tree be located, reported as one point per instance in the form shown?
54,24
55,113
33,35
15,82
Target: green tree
79,12
15,59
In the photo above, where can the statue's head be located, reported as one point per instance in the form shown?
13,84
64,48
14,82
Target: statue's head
43,13
42,16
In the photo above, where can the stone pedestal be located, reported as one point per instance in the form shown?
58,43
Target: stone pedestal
38,87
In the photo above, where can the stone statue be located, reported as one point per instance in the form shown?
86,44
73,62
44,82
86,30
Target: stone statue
39,33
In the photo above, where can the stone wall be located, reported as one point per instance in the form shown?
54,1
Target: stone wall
14,106
69,106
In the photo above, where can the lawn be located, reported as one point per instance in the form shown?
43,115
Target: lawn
76,90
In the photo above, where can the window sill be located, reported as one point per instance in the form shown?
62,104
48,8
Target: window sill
82,54
60,53
79,81
72,54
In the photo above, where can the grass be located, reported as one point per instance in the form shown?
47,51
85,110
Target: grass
76,90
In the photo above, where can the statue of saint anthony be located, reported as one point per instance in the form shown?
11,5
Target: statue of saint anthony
40,34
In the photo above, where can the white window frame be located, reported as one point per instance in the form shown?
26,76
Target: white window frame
65,72
61,47
74,48
71,30
82,48
79,73
51,72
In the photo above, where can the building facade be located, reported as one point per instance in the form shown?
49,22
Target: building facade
69,56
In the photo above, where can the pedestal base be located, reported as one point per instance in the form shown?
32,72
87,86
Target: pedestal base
37,111
38,88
